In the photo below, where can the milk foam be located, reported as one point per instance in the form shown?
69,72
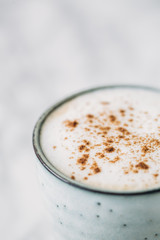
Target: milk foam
108,139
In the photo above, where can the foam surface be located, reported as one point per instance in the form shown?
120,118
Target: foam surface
108,139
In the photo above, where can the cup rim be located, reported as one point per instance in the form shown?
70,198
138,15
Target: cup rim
62,177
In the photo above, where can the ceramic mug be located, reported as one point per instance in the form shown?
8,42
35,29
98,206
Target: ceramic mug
81,212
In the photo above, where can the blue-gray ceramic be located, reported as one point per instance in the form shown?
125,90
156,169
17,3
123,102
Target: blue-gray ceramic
81,212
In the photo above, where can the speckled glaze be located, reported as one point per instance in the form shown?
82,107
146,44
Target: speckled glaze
82,212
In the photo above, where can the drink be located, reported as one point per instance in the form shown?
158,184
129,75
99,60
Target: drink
107,139
100,167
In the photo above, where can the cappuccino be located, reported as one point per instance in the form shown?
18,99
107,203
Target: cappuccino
108,139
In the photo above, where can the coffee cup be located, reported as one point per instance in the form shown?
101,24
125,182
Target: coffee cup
82,211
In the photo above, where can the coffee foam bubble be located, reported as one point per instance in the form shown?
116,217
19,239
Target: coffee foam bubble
108,139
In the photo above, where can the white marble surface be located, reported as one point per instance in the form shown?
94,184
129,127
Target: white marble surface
50,49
